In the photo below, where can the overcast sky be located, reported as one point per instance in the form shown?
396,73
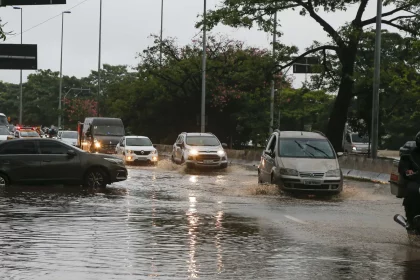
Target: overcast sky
127,25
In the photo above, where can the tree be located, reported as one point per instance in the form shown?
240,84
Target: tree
344,42
78,109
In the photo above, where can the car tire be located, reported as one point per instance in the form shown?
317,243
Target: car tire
224,166
4,181
190,165
260,182
95,178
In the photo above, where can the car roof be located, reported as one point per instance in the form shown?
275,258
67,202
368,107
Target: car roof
134,136
198,134
301,134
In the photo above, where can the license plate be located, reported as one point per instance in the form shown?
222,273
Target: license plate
312,183
207,161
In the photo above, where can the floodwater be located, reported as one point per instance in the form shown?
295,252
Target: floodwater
171,223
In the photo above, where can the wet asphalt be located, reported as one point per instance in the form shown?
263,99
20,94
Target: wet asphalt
167,222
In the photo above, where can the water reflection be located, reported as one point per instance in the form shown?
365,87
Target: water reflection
219,228
192,233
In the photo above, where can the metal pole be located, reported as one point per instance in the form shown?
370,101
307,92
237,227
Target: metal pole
21,87
376,81
161,33
99,56
61,71
203,85
272,82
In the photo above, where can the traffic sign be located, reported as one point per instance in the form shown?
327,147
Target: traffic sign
18,56
30,2
306,65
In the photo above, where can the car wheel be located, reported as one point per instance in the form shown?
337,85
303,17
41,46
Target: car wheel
4,181
260,182
95,178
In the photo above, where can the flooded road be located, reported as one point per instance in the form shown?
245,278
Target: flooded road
167,223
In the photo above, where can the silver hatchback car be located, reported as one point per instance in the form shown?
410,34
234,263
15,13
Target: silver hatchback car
301,161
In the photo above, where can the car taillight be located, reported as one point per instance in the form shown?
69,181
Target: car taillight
394,177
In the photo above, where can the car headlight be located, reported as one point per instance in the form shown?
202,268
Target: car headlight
333,173
354,149
154,152
129,151
193,152
221,153
115,160
290,172
97,144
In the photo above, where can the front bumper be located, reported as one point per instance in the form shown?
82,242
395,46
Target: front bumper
208,162
118,173
151,158
295,183
104,150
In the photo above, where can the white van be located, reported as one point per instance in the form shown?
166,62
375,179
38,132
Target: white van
301,161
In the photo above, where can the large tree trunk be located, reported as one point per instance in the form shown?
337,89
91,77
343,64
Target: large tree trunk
338,116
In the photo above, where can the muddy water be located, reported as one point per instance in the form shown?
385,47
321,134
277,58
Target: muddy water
172,223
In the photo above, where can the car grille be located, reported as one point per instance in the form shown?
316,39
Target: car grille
139,153
311,175
207,157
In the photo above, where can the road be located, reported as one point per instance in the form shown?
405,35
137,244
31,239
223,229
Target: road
167,223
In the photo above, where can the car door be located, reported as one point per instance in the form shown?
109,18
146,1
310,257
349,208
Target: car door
269,158
56,164
21,161
175,148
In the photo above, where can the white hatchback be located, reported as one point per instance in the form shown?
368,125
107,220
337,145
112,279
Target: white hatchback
137,149
68,137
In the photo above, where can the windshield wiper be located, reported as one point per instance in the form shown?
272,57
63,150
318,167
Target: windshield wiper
303,149
318,149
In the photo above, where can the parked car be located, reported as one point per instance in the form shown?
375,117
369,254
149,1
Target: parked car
301,161
45,161
199,150
137,149
68,137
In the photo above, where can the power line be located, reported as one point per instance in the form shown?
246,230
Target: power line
39,24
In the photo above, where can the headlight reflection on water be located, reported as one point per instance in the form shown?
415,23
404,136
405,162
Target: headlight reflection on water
192,227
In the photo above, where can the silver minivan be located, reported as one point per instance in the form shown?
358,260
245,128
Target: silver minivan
355,144
301,161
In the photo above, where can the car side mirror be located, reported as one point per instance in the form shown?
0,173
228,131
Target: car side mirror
224,145
71,153
268,153
340,154
122,145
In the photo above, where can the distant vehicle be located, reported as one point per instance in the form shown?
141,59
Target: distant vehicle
354,143
301,161
48,161
3,120
100,135
137,149
199,150
26,132
4,134
68,137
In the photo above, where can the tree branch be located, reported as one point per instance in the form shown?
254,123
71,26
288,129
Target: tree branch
401,17
373,20
399,27
358,19
326,26
327,47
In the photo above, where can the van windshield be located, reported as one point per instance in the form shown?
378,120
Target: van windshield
359,139
108,130
305,148
3,120
69,134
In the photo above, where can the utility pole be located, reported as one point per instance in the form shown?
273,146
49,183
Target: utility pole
161,33
376,81
61,68
272,82
203,85
99,55
21,87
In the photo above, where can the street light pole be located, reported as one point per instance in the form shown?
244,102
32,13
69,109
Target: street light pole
376,81
161,33
99,56
203,85
21,87
272,82
61,68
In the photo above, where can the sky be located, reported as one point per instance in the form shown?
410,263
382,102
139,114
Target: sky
128,24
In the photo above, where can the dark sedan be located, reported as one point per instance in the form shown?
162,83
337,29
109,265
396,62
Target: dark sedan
48,161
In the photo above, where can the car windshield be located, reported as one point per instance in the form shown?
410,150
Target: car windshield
139,142
29,134
359,139
69,134
202,141
4,131
108,130
3,120
306,148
